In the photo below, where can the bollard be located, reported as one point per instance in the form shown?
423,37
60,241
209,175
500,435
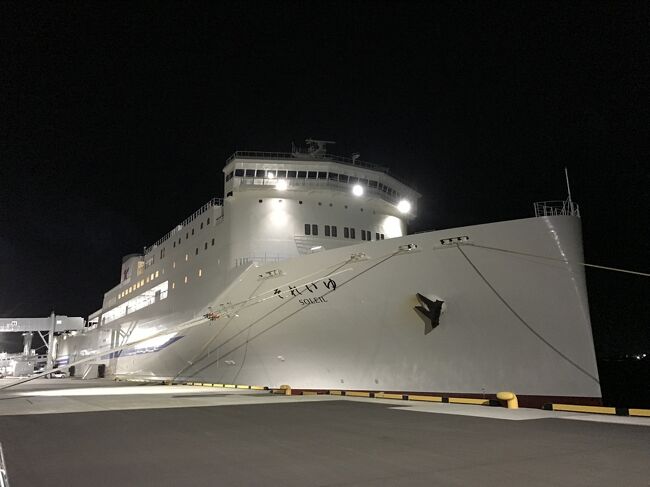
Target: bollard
510,399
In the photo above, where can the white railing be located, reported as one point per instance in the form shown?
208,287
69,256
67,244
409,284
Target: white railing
179,227
249,154
556,208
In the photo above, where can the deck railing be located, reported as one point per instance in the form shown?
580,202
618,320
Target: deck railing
179,227
248,154
556,208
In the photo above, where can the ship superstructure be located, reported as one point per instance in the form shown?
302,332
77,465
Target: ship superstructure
304,275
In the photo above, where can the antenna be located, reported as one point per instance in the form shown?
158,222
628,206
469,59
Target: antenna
568,188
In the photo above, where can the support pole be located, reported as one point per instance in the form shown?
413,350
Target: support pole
50,340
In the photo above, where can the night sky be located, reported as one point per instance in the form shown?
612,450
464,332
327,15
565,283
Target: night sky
116,119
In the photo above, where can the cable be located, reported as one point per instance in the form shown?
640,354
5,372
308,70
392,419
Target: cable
615,269
530,328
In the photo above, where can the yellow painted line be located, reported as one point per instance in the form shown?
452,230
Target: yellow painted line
257,388
309,393
584,409
386,395
335,393
467,400
243,387
205,384
357,394
232,386
415,397
217,385
639,412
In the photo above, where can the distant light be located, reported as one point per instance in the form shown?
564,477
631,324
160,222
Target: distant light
357,190
404,206
270,175
281,185
58,322
317,247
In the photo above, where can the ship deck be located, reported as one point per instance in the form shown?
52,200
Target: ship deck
100,433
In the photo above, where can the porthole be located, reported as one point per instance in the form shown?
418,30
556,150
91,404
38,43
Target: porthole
259,201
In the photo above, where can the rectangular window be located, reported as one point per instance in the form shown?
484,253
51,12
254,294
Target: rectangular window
200,272
343,178
208,222
322,175
382,236
157,273
376,236
334,176
352,179
192,231
327,230
229,176
363,234
260,173
196,252
314,229
334,231
270,174
282,174
174,243
346,232
250,173
302,174
373,184
239,172
205,247
352,233
363,182
307,229
368,235
291,174
213,242
312,174
201,226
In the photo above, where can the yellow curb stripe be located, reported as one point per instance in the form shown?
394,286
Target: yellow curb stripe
467,400
416,397
357,394
584,409
387,395
639,412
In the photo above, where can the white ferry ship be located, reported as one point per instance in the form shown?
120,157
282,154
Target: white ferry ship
304,275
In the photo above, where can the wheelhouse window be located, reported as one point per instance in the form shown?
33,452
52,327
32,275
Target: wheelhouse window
353,233
250,173
334,176
334,231
302,174
346,232
291,174
327,230
239,172
314,229
322,175
282,174
312,174
307,229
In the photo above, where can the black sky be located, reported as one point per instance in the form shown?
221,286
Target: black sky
116,119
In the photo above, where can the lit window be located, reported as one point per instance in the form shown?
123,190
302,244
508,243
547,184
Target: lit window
142,282
157,273
185,279
307,229
174,265
186,257
147,278
151,276
200,272
173,285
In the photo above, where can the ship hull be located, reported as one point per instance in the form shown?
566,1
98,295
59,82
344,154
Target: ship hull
348,318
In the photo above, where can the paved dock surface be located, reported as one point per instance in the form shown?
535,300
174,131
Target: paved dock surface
243,438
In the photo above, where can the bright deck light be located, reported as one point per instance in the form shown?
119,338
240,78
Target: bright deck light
281,185
357,190
404,206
